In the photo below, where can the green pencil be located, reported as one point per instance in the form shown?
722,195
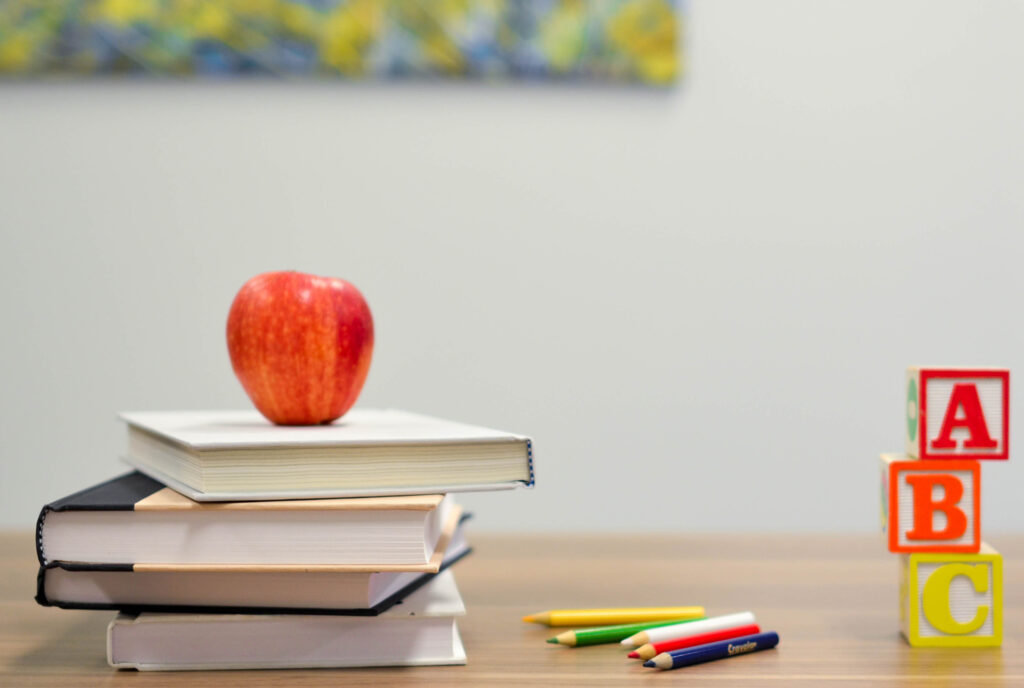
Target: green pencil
607,634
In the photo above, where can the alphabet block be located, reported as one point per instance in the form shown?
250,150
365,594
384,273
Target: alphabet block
931,506
952,600
958,413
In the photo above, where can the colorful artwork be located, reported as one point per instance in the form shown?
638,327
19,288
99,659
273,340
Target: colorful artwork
622,40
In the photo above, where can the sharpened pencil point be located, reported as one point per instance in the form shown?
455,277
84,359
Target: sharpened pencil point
553,641
633,655
529,618
650,663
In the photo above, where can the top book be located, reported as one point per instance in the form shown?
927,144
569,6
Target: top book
239,455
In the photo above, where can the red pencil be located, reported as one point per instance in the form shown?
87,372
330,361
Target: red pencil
651,649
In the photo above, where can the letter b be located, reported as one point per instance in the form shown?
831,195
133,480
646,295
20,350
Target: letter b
932,506
923,486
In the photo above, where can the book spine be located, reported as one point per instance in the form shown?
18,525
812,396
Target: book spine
39,534
44,601
529,461
117,494
41,588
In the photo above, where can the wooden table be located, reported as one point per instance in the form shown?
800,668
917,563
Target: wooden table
832,600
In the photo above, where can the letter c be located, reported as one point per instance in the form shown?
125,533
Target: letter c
935,597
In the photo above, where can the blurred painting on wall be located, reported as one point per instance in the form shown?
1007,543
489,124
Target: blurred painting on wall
609,40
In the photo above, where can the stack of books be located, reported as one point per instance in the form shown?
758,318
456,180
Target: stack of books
237,544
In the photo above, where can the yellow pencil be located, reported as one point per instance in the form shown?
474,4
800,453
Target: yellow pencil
601,617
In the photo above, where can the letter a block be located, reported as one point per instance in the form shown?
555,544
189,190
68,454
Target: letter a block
931,506
958,413
952,600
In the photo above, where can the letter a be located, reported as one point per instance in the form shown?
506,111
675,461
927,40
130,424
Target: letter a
964,396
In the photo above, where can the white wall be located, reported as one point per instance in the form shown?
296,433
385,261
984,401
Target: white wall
700,302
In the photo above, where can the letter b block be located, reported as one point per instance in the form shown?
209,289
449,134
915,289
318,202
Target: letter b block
958,414
952,600
931,506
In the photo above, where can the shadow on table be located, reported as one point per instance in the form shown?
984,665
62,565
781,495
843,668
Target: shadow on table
79,646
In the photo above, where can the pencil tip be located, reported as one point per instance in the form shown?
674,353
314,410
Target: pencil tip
650,663
553,641
634,655
528,618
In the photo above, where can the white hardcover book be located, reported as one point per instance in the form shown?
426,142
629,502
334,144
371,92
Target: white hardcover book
420,631
239,455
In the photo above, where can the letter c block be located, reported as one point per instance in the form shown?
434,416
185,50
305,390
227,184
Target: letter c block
952,600
931,506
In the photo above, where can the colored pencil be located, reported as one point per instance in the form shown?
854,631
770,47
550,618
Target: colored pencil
651,649
708,653
606,617
714,623
607,634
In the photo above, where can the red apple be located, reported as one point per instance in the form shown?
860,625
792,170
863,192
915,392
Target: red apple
300,345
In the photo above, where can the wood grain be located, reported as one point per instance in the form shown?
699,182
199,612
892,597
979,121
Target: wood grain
832,599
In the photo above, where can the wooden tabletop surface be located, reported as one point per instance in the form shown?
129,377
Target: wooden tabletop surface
832,600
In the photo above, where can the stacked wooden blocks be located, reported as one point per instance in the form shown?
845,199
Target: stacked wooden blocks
951,583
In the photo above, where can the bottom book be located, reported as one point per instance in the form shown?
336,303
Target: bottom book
419,631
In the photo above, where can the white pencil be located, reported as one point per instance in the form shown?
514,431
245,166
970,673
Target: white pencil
688,629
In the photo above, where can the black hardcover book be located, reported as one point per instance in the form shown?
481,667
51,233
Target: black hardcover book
153,572
81,586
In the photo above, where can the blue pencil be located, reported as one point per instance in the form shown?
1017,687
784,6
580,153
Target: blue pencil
712,651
